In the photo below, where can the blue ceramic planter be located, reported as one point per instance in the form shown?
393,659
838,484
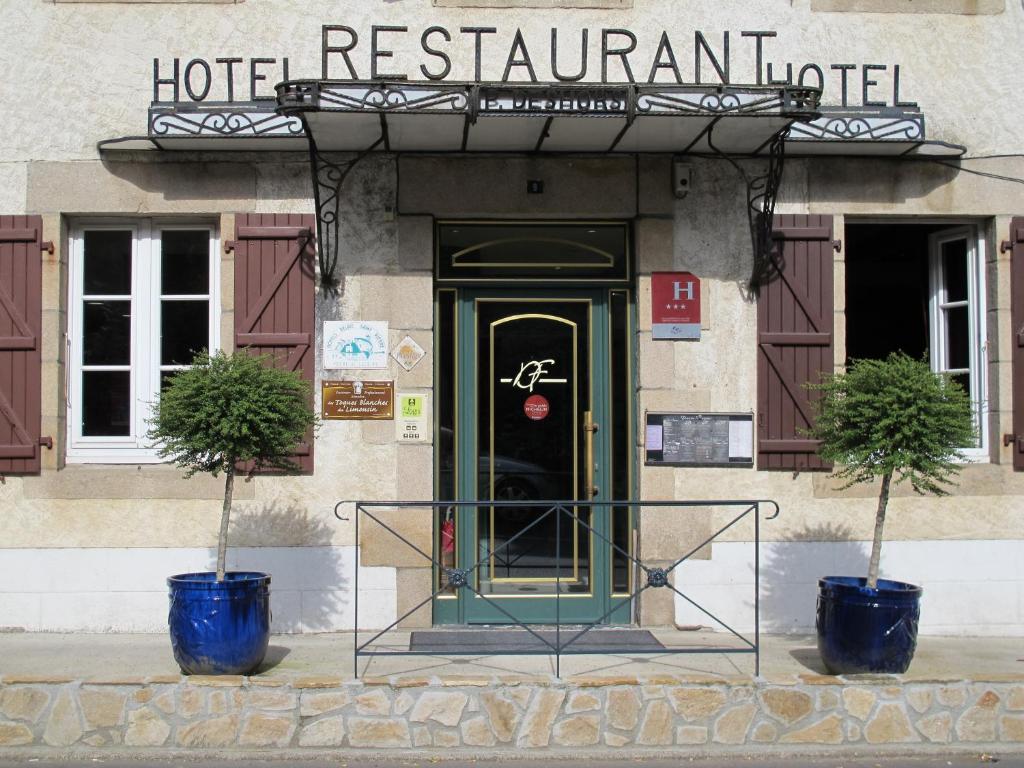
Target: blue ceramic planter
219,628
867,630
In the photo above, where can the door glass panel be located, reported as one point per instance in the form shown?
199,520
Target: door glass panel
954,267
620,382
532,361
106,403
107,333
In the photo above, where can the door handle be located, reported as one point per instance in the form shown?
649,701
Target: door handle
589,428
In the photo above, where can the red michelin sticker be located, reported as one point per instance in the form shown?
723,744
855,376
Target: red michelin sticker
536,407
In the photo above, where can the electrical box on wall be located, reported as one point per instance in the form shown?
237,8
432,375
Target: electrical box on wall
682,177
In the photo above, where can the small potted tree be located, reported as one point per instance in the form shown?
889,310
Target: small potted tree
224,412
888,419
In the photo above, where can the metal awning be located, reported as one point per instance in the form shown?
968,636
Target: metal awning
502,117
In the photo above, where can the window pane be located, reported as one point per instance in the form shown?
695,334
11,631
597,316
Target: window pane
106,403
185,262
958,331
954,268
184,330
108,263
107,333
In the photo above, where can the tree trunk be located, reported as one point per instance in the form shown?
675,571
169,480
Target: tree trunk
225,517
876,545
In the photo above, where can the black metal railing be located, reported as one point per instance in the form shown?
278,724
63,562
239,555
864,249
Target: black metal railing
647,576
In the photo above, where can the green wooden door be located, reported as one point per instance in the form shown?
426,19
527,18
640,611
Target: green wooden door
533,414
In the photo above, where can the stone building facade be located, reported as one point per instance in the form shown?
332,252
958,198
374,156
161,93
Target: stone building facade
154,145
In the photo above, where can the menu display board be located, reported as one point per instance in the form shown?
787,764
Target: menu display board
699,439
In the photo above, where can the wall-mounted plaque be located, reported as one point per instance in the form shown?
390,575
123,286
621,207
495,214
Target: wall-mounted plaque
700,439
355,344
358,399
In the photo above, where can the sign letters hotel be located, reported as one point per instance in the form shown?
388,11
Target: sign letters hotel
605,56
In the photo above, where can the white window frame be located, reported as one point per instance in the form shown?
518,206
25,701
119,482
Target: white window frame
938,303
145,334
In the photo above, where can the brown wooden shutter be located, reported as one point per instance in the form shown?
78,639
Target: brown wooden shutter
274,295
794,341
1017,341
21,320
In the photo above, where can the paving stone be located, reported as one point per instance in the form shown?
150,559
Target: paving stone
656,728
190,702
378,732
142,696
890,725
102,708
535,730
1011,728
260,730
520,696
318,681
826,731
502,713
374,702
765,733
404,702
937,728
950,696
329,732
582,701
827,700
274,701
853,733
650,692
464,681
15,735
23,703
977,724
859,702
920,699
215,732
1015,699
622,709
312,704
165,702
691,734
446,737
64,727
217,681
787,705
411,682
697,703
421,736
615,739
441,706
476,732
732,727
95,740
146,729
224,702
578,731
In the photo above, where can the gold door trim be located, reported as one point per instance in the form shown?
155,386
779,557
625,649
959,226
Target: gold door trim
590,340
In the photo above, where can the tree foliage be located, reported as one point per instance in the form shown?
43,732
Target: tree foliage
231,409
894,417
227,410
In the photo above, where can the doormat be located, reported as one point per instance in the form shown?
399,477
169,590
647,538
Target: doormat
514,641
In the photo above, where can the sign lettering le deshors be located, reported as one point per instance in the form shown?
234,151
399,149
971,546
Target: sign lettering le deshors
620,56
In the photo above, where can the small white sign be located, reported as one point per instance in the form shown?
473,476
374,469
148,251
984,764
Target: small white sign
408,353
355,344
411,418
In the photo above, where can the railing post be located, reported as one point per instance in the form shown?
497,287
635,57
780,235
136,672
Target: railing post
355,629
757,589
558,591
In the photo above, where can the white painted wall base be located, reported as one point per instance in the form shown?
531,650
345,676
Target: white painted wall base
970,587
124,590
